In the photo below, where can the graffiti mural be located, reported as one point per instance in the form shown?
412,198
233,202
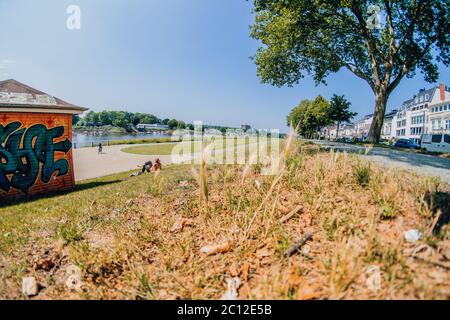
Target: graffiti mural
27,154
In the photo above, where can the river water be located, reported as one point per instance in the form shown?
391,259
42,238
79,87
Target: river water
81,139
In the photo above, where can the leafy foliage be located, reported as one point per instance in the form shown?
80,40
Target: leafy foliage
339,111
124,119
310,116
319,37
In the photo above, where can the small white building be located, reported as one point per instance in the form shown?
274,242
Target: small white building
346,130
362,126
154,126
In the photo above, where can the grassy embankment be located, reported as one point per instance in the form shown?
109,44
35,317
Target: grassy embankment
106,129
142,141
166,149
141,237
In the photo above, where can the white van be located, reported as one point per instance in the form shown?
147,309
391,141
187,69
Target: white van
436,142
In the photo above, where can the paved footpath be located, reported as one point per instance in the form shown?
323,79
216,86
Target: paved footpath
89,164
421,164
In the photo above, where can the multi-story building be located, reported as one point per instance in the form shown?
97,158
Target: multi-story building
438,120
362,126
413,118
388,125
427,112
346,130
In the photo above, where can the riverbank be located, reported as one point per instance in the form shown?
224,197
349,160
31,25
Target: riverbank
81,140
101,129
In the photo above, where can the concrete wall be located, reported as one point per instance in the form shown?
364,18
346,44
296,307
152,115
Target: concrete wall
35,154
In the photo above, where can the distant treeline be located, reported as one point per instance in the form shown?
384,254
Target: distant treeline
124,119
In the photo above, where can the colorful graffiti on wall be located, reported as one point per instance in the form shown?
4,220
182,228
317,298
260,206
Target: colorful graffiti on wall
31,154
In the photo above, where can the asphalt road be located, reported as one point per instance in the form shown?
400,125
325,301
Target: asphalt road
419,163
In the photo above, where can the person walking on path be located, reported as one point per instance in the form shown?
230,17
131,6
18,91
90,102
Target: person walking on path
100,148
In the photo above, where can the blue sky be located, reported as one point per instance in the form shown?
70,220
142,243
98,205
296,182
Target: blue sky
174,58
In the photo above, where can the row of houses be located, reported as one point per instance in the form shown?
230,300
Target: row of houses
428,111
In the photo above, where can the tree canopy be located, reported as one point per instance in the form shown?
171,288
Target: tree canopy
339,111
310,116
320,37
121,119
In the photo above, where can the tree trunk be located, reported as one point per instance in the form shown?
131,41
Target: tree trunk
381,99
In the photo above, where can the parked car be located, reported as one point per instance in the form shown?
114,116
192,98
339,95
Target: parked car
436,142
344,140
407,144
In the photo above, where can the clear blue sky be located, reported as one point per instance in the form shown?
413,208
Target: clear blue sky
174,58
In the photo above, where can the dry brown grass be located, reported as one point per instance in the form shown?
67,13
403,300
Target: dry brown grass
122,235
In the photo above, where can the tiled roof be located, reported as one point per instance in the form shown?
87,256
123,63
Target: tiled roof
14,93
421,97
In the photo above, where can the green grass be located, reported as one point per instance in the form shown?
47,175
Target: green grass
166,149
159,149
141,141
66,215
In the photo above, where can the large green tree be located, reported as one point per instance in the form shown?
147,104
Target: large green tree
320,37
339,111
172,123
310,116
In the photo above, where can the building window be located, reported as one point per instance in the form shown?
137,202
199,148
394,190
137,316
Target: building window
416,131
447,124
417,119
433,124
440,108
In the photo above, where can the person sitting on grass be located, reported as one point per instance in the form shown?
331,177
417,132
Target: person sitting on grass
157,165
147,167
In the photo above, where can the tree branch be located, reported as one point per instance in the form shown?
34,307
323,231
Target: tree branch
406,68
369,42
360,74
